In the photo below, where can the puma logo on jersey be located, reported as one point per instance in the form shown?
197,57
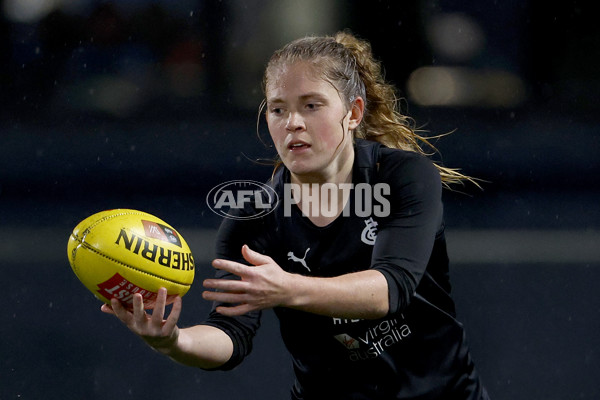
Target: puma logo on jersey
369,233
302,260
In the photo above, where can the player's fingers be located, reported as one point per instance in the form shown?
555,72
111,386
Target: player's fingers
139,314
253,257
235,310
227,285
120,311
171,321
158,313
107,309
223,297
230,266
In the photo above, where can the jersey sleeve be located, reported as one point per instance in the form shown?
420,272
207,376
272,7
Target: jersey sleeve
406,237
231,236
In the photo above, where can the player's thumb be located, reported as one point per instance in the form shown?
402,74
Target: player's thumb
253,257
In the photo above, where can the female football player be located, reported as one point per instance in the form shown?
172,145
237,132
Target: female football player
353,262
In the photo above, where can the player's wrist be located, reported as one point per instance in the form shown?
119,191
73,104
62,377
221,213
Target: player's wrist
296,293
166,345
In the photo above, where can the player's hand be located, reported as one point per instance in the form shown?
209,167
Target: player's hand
263,285
158,332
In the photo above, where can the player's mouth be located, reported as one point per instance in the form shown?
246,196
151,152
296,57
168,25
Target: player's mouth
298,146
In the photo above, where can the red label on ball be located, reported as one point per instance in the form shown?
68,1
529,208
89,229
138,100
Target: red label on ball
123,290
161,232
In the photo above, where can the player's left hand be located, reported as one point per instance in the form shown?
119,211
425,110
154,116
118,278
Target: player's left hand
263,285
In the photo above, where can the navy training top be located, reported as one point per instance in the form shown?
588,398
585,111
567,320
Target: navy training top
417,351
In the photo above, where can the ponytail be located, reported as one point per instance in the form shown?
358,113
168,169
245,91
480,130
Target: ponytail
383,122
348,63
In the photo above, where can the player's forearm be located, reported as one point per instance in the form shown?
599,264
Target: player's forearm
200,346
356,295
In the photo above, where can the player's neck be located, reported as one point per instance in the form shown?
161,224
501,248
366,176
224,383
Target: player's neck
315,193
336,173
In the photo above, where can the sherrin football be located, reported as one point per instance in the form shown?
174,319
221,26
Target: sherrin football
117,253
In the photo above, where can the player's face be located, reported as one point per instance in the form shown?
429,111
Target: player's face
309,123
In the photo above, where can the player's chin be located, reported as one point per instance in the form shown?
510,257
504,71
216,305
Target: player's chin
301,163
301,169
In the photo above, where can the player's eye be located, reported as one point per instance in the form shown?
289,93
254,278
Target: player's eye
313,106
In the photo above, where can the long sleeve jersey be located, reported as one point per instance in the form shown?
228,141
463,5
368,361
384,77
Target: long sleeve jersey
392,223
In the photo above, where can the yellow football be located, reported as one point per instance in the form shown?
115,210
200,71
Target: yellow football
117,253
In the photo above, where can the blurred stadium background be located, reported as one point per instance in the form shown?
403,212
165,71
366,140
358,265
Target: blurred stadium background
149,104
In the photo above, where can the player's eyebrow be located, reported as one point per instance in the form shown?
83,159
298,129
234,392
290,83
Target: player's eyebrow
311,95
275,100
304,97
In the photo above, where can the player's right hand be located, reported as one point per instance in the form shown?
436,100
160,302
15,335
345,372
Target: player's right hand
159,333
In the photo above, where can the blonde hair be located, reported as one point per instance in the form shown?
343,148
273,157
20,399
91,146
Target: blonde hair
348,64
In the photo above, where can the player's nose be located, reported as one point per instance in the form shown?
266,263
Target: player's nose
294,122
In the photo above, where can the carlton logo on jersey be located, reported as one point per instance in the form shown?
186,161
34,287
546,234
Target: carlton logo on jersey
369,233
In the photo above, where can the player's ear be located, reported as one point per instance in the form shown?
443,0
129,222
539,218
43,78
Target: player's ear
357,109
